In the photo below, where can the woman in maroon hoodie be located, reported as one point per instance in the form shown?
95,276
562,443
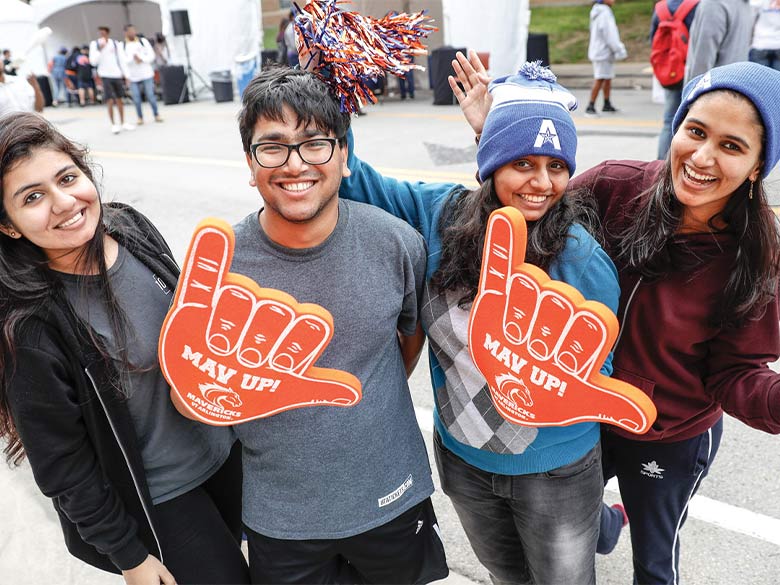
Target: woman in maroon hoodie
697,250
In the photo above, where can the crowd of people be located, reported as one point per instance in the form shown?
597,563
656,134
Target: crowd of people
102,71
342,494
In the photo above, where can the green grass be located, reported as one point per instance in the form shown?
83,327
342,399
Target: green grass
567,29
269,37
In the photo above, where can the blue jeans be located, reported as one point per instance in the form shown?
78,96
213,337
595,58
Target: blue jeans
657,480
406,84
148,89
535,528
672,100
768,57
60,93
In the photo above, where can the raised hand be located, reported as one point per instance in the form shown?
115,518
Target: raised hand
474,97
540,345
234,352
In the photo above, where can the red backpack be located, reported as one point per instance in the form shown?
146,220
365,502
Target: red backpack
669,48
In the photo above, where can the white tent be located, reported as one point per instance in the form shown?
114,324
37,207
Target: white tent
502,30
220,31
17,26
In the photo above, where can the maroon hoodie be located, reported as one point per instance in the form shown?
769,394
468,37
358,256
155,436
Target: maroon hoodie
668,347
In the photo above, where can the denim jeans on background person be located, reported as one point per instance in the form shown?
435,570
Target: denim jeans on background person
535,528
60,92
768,57
672,100
148,88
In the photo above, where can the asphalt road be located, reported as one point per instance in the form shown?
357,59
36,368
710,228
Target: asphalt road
192,166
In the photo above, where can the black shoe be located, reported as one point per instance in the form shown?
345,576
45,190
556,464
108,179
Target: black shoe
591,110
608,107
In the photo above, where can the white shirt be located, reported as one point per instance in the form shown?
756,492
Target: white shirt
143,70
16,95
109,60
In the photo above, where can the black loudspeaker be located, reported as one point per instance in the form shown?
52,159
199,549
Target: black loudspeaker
180,19
174,84
45,85
537,48
440,63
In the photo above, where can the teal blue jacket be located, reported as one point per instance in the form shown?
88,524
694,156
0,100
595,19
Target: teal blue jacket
583,264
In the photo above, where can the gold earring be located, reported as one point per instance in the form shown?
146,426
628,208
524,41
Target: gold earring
12,234
750,193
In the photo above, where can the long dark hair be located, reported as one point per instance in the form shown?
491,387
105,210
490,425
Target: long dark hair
462,228
27,284
650,245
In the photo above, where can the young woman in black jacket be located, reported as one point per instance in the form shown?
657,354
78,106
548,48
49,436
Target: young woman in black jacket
84,288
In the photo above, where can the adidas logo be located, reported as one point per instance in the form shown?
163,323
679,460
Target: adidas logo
653,470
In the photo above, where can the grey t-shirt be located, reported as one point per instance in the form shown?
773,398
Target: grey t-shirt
331,472
178,454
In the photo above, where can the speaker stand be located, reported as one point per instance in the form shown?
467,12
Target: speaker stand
189,74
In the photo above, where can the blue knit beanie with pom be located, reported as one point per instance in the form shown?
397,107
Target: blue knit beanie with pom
758,83
529,116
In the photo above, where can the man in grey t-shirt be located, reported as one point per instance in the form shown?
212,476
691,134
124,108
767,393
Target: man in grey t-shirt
333,494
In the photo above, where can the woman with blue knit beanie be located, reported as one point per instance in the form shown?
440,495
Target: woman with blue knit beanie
697,248
529,498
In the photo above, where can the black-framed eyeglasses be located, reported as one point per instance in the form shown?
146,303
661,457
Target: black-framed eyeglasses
316,151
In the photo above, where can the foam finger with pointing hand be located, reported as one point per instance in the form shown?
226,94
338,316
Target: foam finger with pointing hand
540,345
233,351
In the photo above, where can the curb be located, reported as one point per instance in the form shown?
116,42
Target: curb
627,75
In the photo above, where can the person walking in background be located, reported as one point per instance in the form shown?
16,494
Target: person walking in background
765,47
7,63
720,35
672,93
71,75
161,51
281,46
58,74
604,49
139,56
107,55
85,77
406,84
289,41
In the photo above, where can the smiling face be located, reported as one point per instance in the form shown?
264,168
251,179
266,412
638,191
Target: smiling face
301,200
716,148
51,202
532,184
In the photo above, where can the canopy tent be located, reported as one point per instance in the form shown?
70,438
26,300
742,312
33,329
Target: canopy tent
502,30
220,33
17,26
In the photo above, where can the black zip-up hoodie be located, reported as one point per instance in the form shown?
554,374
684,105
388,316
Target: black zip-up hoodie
75,426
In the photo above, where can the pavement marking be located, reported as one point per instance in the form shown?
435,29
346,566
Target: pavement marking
721,514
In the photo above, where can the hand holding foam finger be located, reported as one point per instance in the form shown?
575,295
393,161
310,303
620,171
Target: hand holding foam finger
540,345
233,351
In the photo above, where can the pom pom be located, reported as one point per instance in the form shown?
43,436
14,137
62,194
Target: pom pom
534,70
349,50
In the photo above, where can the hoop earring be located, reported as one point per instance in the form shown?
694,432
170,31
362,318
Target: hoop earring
750,193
